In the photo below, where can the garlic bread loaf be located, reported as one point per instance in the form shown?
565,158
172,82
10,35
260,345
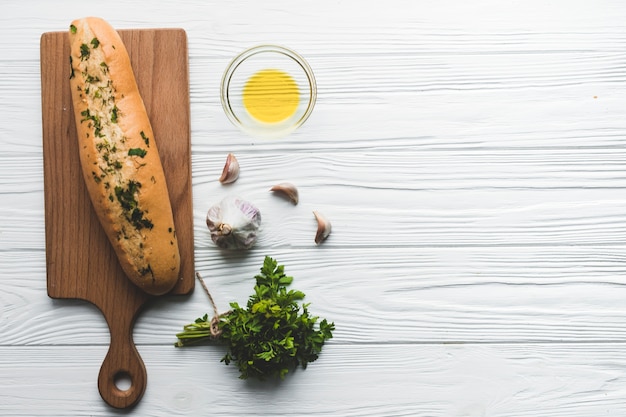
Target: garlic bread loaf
119,157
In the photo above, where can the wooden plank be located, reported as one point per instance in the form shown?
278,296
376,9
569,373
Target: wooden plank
422,218
438,380
423,295
438,169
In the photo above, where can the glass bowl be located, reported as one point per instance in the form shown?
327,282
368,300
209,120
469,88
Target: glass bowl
268,91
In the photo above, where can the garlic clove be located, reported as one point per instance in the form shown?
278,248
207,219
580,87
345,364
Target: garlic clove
230,173
288,190
323,228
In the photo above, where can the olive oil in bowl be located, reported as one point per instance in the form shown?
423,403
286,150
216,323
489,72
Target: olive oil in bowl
268,91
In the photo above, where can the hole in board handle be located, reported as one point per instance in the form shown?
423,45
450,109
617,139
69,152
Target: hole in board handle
122,381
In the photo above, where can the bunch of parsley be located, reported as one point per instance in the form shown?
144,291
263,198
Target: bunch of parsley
272,335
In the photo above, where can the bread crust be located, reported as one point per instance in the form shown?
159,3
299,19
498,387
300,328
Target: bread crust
119,157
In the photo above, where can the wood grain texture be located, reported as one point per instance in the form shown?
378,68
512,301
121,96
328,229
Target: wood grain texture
471,158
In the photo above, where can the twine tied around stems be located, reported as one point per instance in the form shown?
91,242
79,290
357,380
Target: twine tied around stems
215,320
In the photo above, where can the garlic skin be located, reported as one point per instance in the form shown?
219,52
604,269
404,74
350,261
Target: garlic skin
288,190
323,228
234,223
230,173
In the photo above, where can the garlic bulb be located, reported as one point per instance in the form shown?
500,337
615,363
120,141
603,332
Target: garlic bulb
234,223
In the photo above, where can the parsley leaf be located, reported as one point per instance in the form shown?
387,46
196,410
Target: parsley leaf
272,335
134,151
84,52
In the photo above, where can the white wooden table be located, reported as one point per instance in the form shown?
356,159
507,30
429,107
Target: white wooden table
472,159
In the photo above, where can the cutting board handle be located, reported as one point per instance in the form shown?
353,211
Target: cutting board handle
122,362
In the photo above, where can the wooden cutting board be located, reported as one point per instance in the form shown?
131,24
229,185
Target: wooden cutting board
80,261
